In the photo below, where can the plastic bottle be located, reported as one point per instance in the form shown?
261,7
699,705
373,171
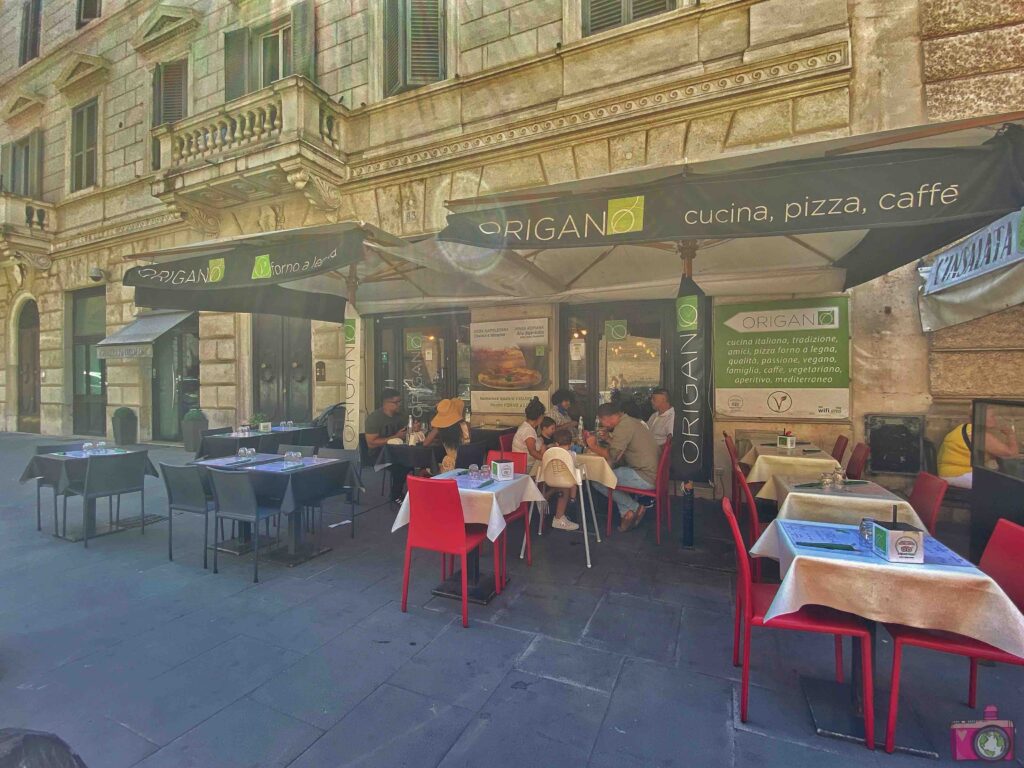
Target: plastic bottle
408,432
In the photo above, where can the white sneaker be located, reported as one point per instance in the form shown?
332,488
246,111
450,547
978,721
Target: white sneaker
564,524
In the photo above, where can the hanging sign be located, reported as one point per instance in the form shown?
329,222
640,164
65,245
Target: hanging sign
509,365
998,245
783,359
693,432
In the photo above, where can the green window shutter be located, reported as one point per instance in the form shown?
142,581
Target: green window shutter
603,14
641,9
35,22
236,63
304,40
174,91
158,95
425,34
5,167
91,136
35,164
26,18
393,45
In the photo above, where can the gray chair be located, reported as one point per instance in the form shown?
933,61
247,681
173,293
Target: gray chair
315,436
235,499
268,444
185,492
107,477
305,450
345,490
42,483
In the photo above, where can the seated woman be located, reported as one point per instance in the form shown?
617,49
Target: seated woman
563,439
450,429
955,452
528,438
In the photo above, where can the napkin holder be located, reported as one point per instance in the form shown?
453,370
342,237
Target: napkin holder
502,470
898,542
266,426
785,441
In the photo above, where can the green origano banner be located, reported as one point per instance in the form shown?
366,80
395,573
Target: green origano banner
783,359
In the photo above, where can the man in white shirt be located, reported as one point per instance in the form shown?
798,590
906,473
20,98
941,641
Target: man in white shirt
663,420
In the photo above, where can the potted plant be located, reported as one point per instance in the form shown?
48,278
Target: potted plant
126,426
256,419
192,425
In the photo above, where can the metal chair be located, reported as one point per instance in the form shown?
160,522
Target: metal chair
43,483
235,499
522,512
367,459
505,442
346,490
659,493
107,477
268,443
839,449
185,492
926,498
305,450
752,603
558,469
858,461
315,436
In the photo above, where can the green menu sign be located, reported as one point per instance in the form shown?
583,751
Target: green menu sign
783,359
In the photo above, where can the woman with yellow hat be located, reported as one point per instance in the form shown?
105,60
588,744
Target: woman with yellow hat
450,429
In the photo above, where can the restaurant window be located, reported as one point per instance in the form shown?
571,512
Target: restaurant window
256,57
599,15
21,166
414,44
170,98
89,372
88,10
84,131
31,23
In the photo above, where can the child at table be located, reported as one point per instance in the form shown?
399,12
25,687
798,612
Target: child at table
563,439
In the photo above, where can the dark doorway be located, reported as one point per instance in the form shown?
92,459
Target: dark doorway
425,357
175,378
28,368
89,373
282,352
616,350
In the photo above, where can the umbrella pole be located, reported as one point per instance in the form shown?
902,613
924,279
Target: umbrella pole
686,249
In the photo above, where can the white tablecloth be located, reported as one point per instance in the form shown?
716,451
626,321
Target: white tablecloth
596,467
767,461
487,506
848,504
954,598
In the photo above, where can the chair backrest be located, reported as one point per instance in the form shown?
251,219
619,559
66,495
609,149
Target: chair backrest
664,463
517,458
337,453
184,487
471,453
743,577
730,446
364,451
435,514
305,450
839,449
268,443
109,474
926,498
858,461
505,441
1001,559
747,499
558,468
930,458
217,431
58,447
233,492
315,436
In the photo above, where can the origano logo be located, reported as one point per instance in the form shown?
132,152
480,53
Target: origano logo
625,214
686,313
261,269
216,269
826,317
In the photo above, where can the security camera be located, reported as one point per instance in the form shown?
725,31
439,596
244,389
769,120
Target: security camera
97,275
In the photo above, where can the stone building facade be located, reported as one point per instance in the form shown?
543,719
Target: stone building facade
524,94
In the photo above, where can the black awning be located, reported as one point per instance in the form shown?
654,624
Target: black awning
136,339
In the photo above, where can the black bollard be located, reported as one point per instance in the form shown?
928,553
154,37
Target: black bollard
686,514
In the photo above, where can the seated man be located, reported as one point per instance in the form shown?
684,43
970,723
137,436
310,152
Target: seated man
382,425
663,420
633,455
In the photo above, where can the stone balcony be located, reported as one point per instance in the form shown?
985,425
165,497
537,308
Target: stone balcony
27,227
247,149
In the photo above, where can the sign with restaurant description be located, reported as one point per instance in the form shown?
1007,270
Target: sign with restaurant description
783,359
510,364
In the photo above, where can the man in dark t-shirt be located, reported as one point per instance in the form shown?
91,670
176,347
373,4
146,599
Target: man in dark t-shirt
382,425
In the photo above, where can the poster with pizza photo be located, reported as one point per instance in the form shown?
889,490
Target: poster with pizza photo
510,364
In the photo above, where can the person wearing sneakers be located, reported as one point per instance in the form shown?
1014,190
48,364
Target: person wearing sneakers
562,438
633,455
527,438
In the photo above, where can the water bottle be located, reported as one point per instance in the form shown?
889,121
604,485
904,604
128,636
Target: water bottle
579,430
408,432
469,415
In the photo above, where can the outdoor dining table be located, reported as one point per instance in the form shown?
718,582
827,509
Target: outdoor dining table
227,444
410,456
800,499
860,582
595,468
766,460
66,469
484,502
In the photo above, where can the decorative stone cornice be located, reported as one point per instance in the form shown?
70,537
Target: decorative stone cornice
112,231
165,23
321,194
199,218
81,67
821,61
19,103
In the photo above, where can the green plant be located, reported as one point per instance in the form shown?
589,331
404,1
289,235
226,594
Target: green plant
123,411
258,418
194,415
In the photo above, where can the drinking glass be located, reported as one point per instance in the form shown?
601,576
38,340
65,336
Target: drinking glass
865,532
242,452
827,480
101,446
250,451
87,448
839,477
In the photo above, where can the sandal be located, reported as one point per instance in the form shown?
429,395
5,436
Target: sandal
628,520
640,512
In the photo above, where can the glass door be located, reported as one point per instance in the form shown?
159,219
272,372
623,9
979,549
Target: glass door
175,378
89,373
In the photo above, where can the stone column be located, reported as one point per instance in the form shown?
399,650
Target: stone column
218,368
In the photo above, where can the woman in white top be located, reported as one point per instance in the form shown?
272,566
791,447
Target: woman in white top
527,440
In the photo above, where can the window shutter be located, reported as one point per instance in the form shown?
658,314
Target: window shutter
91,136
393,69
35,164
6,151
425,29
304,40
603,14
236,63
26,13
644,8
174,91
158,95
88,10
35,22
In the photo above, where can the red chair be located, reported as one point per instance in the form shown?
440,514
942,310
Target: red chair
659,493
858,461
520,513
926,498
753,521
505,442
1001,561
436,523
839,449
734,459
753,601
